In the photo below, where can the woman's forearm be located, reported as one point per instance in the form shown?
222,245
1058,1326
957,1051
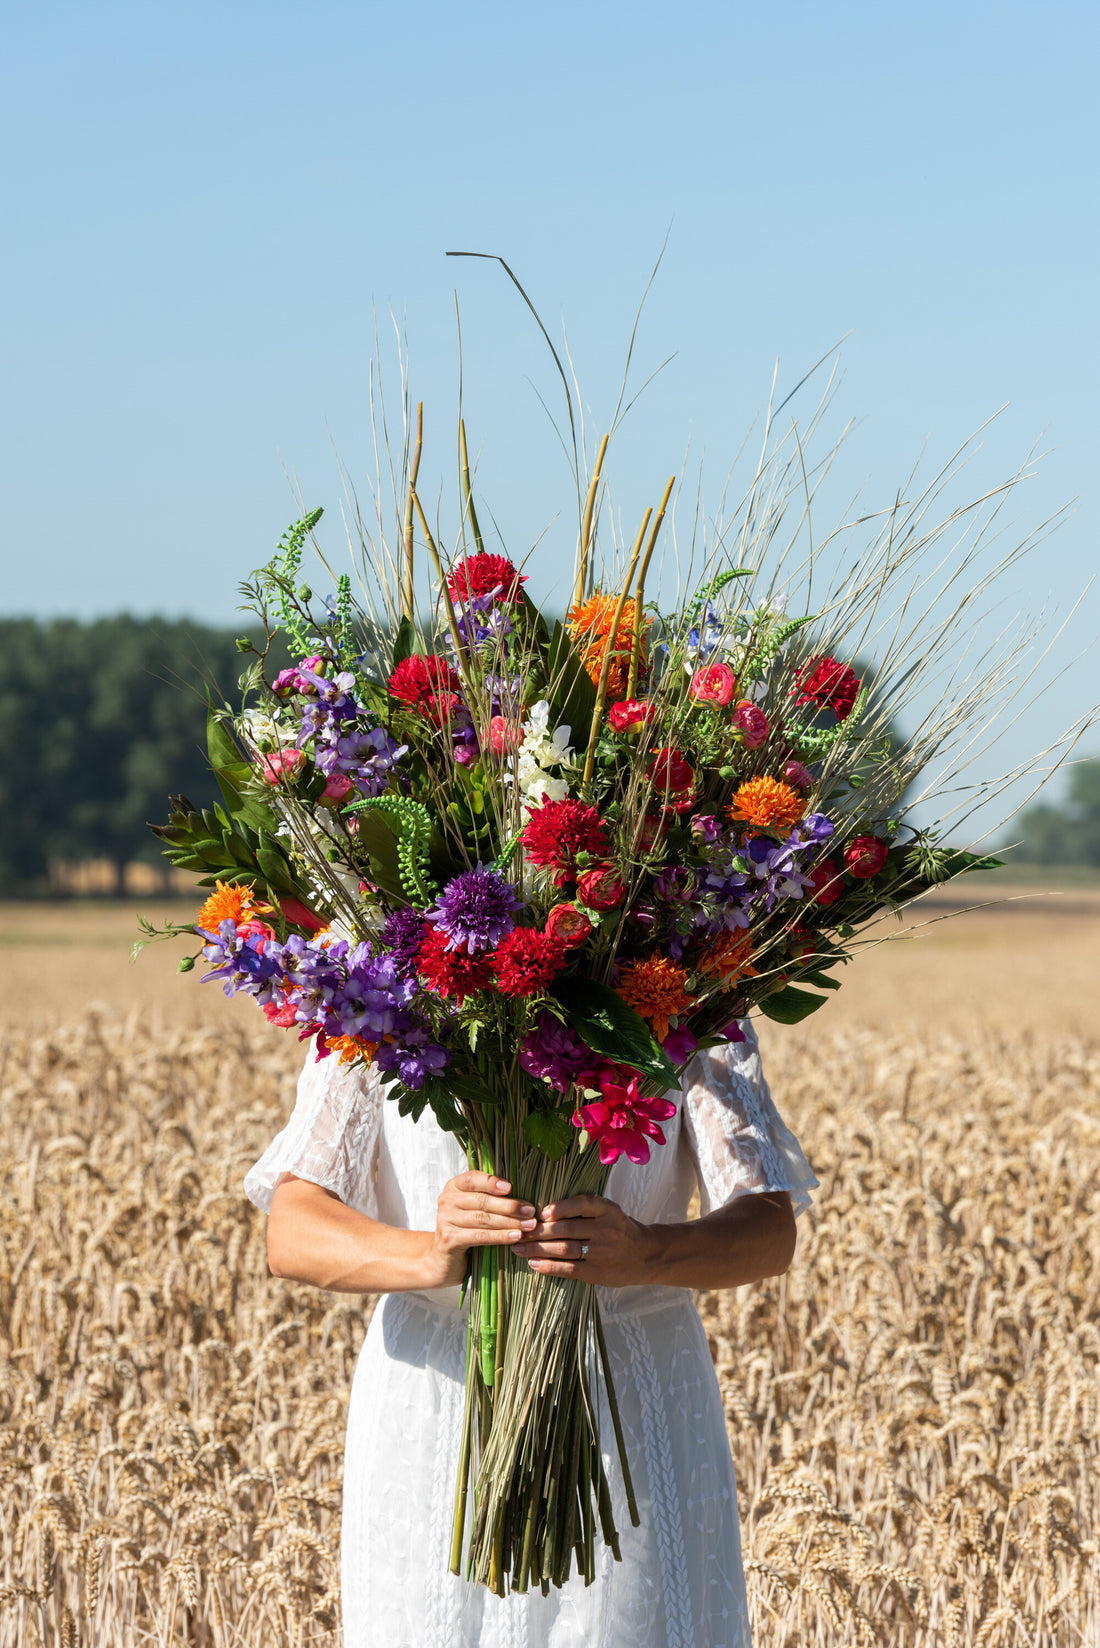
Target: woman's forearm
746,1241
313,1237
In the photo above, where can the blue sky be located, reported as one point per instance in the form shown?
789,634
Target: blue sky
208,207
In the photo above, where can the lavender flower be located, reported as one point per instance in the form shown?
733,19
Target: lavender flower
367,758
475,910
413,1056
250,965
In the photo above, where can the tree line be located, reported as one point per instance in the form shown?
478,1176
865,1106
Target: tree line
101,721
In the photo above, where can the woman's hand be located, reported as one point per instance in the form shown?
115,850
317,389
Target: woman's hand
590,1239
475,1210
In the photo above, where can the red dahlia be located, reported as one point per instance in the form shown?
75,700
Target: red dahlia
427,684
830,684
526,962
558,830
451,973
484,574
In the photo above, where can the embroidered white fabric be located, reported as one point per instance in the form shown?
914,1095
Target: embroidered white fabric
680,1583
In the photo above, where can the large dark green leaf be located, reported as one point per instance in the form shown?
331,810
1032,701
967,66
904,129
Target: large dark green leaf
609,1026
550,1131
572,692
378,841
791,1006
952,863
406,641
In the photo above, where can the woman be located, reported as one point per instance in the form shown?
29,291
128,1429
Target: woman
363,1200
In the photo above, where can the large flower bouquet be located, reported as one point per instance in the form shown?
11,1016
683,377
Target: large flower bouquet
525,868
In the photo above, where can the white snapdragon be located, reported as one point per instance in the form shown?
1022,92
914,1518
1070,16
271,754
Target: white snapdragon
540,750
263,732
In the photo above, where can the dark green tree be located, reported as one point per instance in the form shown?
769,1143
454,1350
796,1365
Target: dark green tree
1068,834
99,722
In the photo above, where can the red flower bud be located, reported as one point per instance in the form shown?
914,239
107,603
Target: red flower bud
865,856
670,771
827,881
282,767
630,715
601,887
336,790
567,925
750,724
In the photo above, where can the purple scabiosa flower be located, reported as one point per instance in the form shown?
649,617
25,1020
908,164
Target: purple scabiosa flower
553,1053
401,938
475,910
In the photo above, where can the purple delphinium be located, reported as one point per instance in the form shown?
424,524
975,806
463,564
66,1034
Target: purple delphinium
475,910
249,965
553,1053
401,938
481,619
367,757
413,1055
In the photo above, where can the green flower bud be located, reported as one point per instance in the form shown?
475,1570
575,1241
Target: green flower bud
305,593
244,644
185,964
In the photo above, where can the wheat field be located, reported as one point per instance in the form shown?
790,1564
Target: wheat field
913,1408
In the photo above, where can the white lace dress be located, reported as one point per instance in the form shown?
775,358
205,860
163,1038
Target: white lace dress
680,1583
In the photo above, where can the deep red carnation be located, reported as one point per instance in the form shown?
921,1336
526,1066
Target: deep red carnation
451,973
831,684
558,830
863,857
526,962
483,573
427,684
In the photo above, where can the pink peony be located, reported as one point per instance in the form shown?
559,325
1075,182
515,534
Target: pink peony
714,684
259,931
568,925
750,724
282,767
622,1121
601,888
865,856
336,791
798,775
504,736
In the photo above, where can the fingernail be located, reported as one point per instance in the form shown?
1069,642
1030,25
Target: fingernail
503,1185
528,1224
526,1212
534,1264
547,1213
514,1235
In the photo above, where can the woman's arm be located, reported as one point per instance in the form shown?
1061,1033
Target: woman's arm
312,1236
750,1238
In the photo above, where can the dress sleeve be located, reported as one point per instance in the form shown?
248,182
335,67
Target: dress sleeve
332,1137
740,1142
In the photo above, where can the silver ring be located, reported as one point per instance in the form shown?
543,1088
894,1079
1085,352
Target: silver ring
584,1250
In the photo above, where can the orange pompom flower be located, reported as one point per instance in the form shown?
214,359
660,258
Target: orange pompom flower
351,1048
589,625
728,957
654,987
230,901
767,804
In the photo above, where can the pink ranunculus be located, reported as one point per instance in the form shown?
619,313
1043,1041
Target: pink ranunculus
714,684
865,856
630,715
282,766
336,791
285,683
601,887
680,1044
568,925
504,736
622,1121
798,775
750,724
256,930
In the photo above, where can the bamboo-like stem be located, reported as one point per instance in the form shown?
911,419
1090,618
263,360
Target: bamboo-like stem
586,526
467,494
414,471
609,653
639,592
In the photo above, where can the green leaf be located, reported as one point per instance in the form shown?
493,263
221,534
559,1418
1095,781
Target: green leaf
791,1006
574,694
468,1087
377,840
950,863
820,980
550,1131
610,1026
405,642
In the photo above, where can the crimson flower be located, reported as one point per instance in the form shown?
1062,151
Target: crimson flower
526,962
558,831
826,882
429,685
601,887
485,575
452,973
830,684
623,1121
865,855
630,715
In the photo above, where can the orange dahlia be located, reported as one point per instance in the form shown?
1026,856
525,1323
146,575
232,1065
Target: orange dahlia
351,1048
230,901
767,804
728,957
654,987
589,625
